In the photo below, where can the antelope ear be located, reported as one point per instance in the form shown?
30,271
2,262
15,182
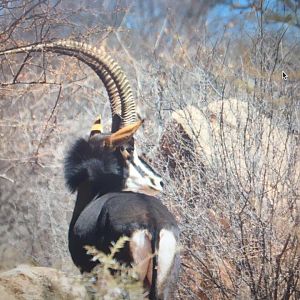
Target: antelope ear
97,127
122,135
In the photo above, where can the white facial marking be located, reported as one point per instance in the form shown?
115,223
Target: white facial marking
166,253
140,178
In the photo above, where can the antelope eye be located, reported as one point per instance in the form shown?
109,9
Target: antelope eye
129,150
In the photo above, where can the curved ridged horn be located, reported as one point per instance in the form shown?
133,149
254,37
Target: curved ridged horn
113,78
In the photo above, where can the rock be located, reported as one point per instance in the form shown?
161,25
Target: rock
257,151
36,283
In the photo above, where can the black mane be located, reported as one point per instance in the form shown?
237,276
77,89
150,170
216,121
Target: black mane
101,168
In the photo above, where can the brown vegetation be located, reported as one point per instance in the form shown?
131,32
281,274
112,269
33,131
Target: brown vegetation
221,126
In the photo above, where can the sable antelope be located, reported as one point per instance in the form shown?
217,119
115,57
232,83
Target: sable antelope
115,187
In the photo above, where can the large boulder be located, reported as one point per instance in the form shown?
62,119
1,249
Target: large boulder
257,150
38,283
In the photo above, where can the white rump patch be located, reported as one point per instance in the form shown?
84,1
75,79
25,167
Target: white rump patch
140,247
166,252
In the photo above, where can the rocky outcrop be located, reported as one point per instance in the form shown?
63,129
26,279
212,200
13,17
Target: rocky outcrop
38,283
234,132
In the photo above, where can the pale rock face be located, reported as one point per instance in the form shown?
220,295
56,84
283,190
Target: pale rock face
249,137
36,283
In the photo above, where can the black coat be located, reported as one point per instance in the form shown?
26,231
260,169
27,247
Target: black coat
111,216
